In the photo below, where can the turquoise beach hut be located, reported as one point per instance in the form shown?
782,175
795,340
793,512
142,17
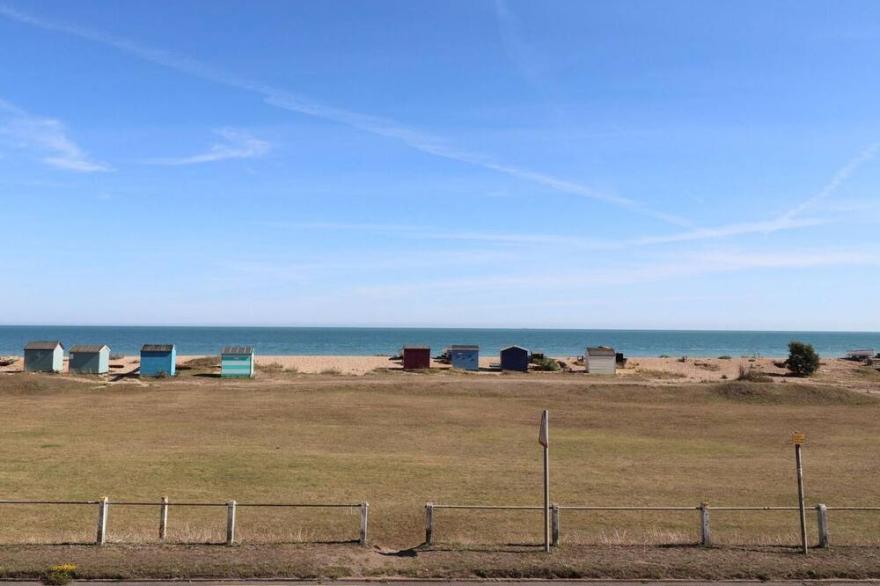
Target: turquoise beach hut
158,360
90,359
43,356
237,362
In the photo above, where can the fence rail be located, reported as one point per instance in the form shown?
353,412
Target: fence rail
165,505
703,508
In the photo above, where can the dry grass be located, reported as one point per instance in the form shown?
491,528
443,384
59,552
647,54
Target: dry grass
399,441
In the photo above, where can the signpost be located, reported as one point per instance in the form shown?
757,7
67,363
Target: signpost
797,439
544,440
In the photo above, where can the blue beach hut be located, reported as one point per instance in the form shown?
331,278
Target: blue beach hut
515,358
90,359
464,356
237,362
43,356
158,360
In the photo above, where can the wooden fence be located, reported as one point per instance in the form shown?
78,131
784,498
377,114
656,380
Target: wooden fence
703,508
164,505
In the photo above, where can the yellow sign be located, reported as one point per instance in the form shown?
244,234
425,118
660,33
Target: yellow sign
798,437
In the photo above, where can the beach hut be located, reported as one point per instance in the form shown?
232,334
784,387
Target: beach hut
416,357
464,356
237,362
158,360
43,356
601,360
861,354
90,359
515,358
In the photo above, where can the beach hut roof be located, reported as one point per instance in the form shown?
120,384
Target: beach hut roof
464,347
601,351
43,345
514,348
157,348
89,348
416,347
238,350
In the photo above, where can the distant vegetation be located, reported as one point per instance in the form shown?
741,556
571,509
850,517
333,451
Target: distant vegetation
546,363
802,359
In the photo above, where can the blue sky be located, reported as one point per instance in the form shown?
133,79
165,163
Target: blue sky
619,164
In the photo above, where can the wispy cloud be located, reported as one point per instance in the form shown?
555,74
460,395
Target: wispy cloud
280,98
568,241
235,145
47,137
839,178
518,51
689,265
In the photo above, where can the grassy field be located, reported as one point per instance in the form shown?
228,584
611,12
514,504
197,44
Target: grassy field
399,441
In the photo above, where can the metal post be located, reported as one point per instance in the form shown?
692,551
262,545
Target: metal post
822,517
103,509
554,522
800,478
546,435
705,528
365,507
163,519
429,524
230,522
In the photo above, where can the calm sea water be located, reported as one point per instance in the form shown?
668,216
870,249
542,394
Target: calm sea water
371,341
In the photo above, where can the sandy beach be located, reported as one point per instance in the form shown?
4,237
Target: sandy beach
650,370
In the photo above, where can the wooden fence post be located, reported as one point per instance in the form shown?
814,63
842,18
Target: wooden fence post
103,508
163,519
365,507
230,522
429,524
554,525
822,514
705,529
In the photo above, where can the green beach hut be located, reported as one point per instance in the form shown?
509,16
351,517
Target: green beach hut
90,359
237,362
43,356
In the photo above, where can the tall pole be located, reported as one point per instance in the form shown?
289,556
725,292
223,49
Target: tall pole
798,439
544,439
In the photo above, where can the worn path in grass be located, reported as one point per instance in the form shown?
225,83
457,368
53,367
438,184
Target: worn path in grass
335,562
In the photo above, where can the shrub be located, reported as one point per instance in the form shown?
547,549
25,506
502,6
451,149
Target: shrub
724,357
802,359
60,574
546,363
752,375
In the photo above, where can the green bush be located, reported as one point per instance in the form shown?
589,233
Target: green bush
546,363
802,359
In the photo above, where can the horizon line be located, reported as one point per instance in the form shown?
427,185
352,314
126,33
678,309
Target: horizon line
399,327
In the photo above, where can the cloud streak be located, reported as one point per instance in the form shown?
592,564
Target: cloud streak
568,241
690,265
46,136
235,145
839,178
372,124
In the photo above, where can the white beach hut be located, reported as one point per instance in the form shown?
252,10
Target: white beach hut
600,360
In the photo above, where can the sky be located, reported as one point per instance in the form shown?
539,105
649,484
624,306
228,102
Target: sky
467,163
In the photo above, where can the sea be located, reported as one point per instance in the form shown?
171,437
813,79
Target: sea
369,341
